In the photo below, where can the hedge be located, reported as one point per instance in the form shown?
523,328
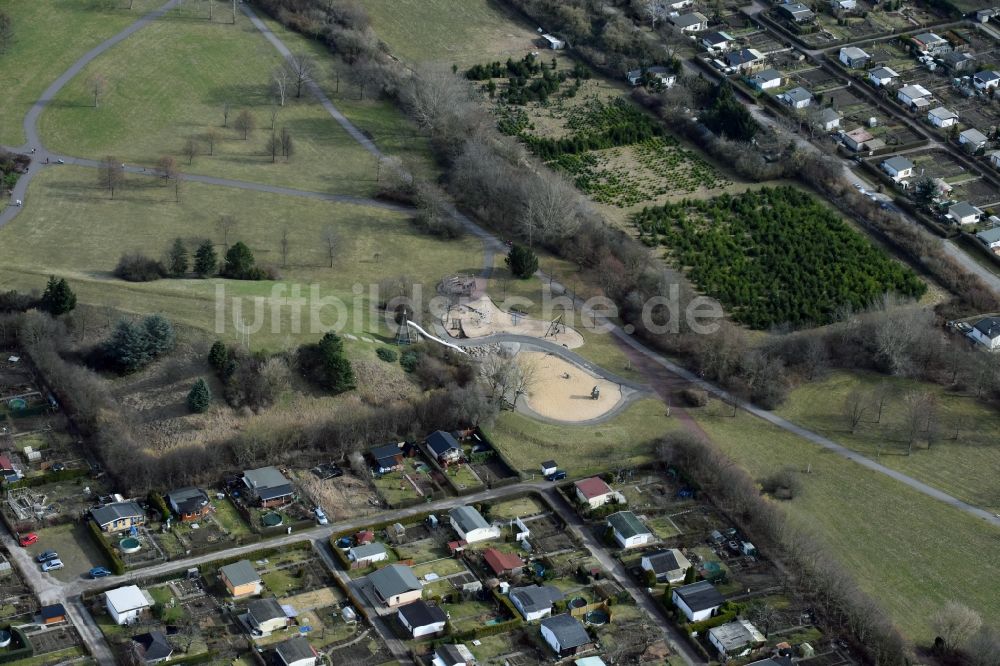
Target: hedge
716,621
156,499
16,654
117,565
50,477
202,658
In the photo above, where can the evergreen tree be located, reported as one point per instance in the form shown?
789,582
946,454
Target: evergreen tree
522,262
200,397
160,333
205,260
128,347
923,193
689,575
58,297
325,364
218,356
178,259
239,262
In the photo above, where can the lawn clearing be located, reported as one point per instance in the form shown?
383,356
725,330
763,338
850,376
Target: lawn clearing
964,462
169,83
373,244
520,507
908,551
626,440
463,32
49,36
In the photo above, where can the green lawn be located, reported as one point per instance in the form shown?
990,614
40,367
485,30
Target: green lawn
964,462
225,514
49,36
169,82
65,203
162,596
515,508
394,488
908,551
464,32
581,450
463,477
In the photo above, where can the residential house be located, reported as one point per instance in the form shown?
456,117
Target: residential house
422,619
828,119
589,661
385,459
657,75
959,61
986,80
53,614
395,585
669,566
565,634
854,57
797,98
152,647
964,213
453,655
554,42
987,332
594,492
717,41
898,167
118,516
928,42
8,471
240,579
534,601
995,158
698,601
882,76
744,60
628,530
267,486
766,79
125,604
984,15
501,563
679,4
942,117
444,447
368,554
913,95
843,5
470,525
190,504
295,652
796,12
735,639
972,139
856,139
266,616
693,22
990,238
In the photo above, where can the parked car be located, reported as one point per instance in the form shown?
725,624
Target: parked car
52,565
99,572
558,475
320,516
47,555
28,539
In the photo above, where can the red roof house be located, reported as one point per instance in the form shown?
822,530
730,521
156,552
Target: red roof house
593,491
364,537
501,562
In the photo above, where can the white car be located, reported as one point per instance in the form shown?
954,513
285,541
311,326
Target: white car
52,565
320,516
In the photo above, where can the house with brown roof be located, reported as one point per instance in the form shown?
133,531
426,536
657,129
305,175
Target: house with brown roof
501,563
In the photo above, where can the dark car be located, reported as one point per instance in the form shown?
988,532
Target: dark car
556,476
99,572
47,555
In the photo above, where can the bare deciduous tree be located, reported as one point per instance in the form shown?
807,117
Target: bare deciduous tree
273,113
331,241
287,143
550,209
284,243
168,167
364,73
97,85
506,378
301,70
983,649
190,150
111,175
955,623
855,406
245,123
225,114
273,147
920,416
226,224
212,137
280,79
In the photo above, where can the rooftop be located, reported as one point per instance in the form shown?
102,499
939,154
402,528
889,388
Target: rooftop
128,598
854,52
734,635
627,524
421,614
567,629
110,513
942,113
468,519
898,163
534,598
294,649
154,645
973,135
367,550
990,327
441,442
700,596
240,573
394,579
500,562
671,559
963,209
593,487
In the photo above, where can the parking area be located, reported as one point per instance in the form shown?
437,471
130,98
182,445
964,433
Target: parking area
76,549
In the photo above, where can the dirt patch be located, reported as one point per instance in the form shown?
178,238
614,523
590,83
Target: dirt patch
481,317
562,391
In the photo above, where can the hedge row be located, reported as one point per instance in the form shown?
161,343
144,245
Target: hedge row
18,638
50,477
202,658
715,621
156,499
117,565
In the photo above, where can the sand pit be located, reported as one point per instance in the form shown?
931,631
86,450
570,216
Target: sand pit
562,390
481,317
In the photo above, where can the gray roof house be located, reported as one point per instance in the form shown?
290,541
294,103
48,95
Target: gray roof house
188,503
453,655
964,213
535,601
267,484
629,530
265,610
796,11
766,78
692,22
152,647
394,580
959,61
828,119
240,573
990,237
972,138
295,652
852,56
444,446
118,516
564,633
700,596
898,167
797,98
740,59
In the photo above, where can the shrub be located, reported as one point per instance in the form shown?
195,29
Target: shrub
205,259
13,301
137,267
218,356
156,499
386,354
200,397
58,298
522,262
783,484
326,364
133,346
240,263
409,360
694,397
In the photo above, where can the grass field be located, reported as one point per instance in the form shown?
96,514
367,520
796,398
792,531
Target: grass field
461,32
65,203
908,551
49,35
581,450
168,84
965,462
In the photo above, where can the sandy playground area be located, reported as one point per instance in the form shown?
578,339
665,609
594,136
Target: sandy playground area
561,390
481,317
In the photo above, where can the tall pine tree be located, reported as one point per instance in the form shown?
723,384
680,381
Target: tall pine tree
58,297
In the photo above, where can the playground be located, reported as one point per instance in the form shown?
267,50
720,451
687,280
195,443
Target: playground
480,318
563,391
